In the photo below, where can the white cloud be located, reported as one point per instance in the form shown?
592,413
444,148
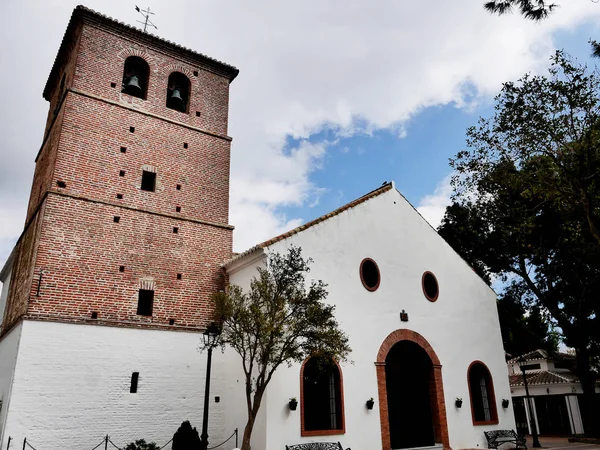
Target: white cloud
432,207
353,66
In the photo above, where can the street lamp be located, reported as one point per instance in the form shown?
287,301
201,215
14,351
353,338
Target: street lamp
534,435
211,339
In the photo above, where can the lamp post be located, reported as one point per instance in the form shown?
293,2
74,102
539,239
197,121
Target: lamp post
211,339
534,435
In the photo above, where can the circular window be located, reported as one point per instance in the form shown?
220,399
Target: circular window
430,286
369,274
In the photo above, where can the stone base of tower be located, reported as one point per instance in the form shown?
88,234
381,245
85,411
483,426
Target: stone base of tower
68,385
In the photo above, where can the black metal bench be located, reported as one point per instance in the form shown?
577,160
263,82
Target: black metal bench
499,437
316,446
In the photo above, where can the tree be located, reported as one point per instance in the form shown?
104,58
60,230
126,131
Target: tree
141,444
526,207
281,320
535,10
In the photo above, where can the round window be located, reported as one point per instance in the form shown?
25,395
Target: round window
369,274
430,286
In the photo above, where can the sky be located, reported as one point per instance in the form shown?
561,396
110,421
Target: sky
334,97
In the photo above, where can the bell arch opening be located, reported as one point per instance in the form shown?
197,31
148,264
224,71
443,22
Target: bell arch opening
411,395
178,92
135,77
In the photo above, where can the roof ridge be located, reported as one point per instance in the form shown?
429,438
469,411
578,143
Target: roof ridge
369,195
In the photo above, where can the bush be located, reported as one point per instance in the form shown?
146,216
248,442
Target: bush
141,444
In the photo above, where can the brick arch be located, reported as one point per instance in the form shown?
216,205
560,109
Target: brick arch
125,53
175,67
436,387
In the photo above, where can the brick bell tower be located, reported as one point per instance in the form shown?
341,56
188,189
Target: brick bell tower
127,227
127,219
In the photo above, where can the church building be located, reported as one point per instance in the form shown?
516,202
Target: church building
108,289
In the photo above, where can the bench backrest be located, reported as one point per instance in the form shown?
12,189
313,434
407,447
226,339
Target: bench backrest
316,446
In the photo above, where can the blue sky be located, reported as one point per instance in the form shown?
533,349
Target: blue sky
334,97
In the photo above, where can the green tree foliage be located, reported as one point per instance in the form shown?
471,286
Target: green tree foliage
526,207
141,444
281,319
535,10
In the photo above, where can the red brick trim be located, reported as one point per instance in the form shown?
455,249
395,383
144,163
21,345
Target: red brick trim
491,394
437,294
436,388
362,278
304,432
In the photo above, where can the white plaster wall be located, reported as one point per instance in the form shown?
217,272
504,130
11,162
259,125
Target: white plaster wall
462,326
9,346
71,386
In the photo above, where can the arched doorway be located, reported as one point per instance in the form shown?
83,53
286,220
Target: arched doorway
411,395
408,375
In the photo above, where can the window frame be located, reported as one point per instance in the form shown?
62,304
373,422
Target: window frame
490,393
434,298
173,78
329,432
151,300
152,176
362,278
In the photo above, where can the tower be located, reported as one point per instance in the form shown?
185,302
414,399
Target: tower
126,228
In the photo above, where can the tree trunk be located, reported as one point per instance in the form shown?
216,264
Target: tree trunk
587,379
252,413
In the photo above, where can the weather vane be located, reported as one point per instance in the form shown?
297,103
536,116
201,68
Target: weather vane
146,14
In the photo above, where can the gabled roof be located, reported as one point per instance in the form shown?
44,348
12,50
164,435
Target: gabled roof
543,377
384,188
536,355
81,12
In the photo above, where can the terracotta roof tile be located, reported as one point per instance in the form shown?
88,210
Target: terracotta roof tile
543,377
386,187
542,354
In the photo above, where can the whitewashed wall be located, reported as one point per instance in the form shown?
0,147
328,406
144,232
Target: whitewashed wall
9,346
461,326
4,285
71,386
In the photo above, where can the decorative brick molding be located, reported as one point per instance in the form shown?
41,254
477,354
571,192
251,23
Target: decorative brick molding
304,432
491,396
436,388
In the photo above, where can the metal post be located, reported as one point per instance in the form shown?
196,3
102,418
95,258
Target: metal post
204,435
8,446
236,438
106,442
534,435
24,442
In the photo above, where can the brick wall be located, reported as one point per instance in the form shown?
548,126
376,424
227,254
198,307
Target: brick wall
83,179
81,250
102,54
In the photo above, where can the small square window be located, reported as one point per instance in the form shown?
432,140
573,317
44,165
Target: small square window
135,376
148,181
132,129
61,184
121,173
120,196
185,145
175,230
121,268
178,208
145,302
171,321
197,113
94,315
113,85
123,149
195,73
179,276
116,219
178,187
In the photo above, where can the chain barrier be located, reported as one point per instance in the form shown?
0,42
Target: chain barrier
235,433
106,440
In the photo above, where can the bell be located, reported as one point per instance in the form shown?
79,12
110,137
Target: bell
133,85
176,97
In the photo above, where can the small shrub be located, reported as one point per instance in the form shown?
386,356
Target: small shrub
141,444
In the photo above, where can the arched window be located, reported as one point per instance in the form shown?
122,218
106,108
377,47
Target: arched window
178,92
135,77
322,398
481,391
